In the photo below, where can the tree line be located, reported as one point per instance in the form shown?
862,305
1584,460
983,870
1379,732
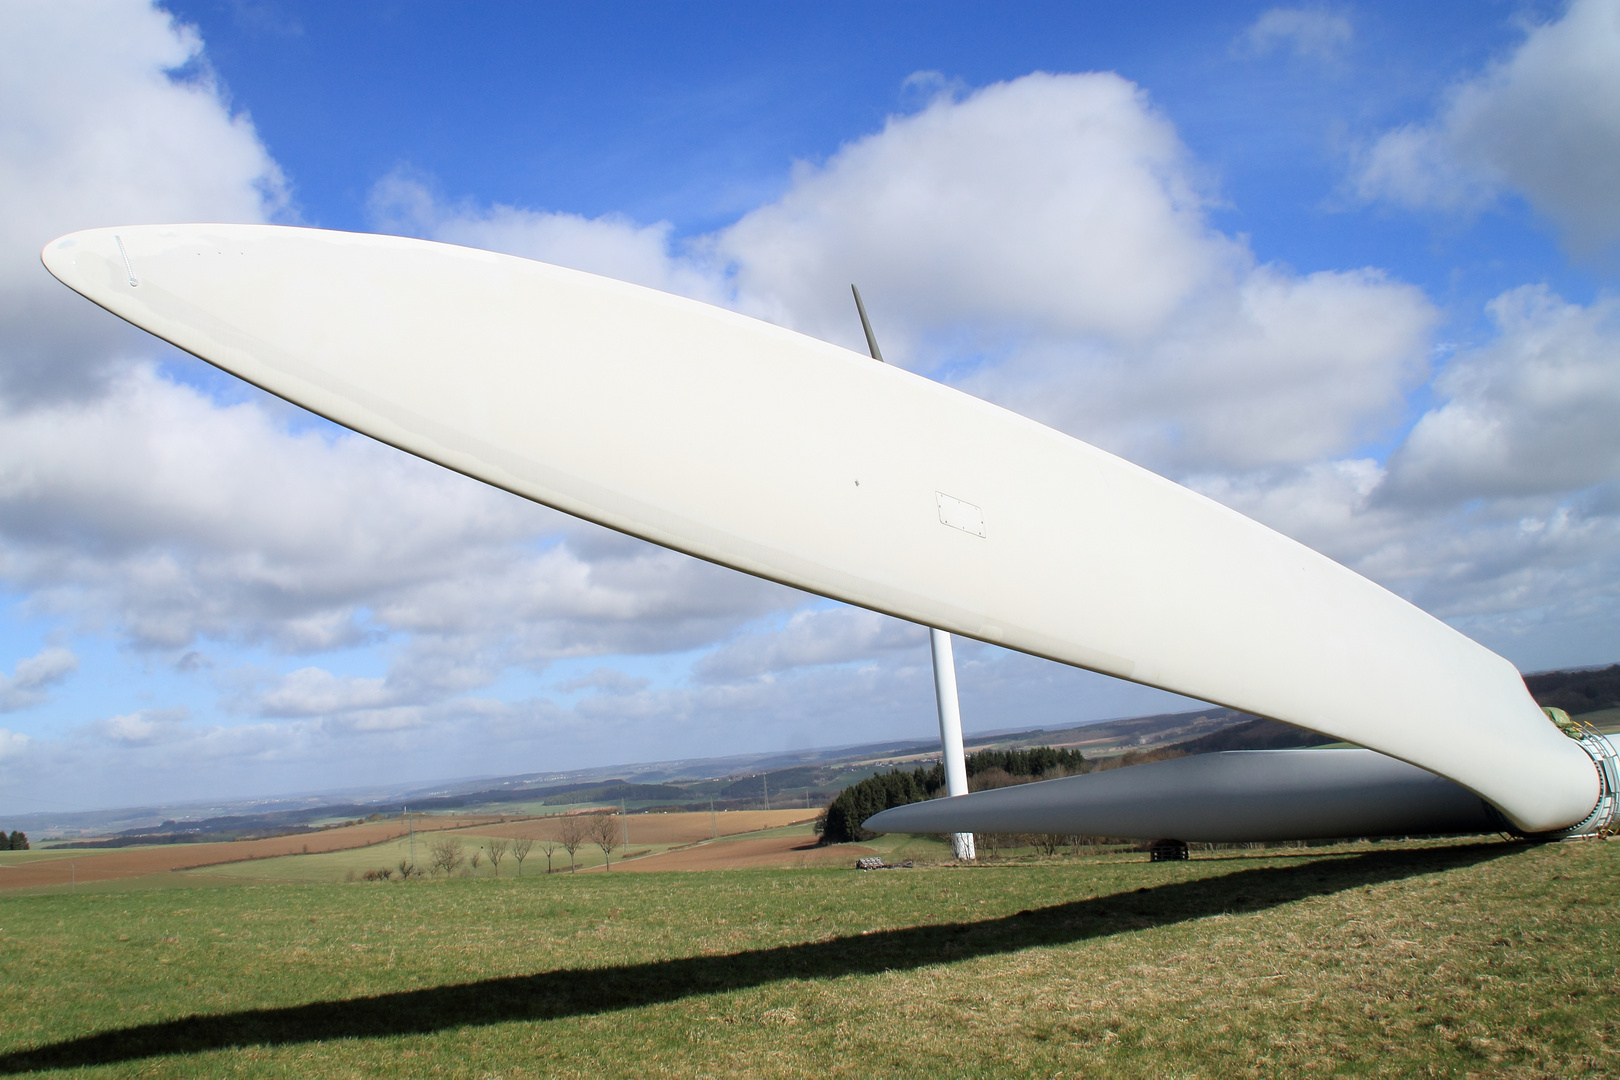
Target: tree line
840,822
17,841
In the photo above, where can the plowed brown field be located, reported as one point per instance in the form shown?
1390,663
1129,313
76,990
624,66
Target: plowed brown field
104,864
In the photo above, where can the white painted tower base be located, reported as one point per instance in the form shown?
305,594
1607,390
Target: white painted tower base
950,731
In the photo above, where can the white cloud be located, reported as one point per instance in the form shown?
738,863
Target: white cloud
1058,201
27,683
1313,33
144,510
12,743
313,691
811,638
1500,510
612,245
1047,238
1534,578
1323,504
1533,413
96,131
148,727
1542,122
1281,370
158,515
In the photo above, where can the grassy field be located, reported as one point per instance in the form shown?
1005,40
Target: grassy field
1459,960
1605,720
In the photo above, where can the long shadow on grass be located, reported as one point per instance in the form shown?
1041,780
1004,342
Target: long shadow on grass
574,992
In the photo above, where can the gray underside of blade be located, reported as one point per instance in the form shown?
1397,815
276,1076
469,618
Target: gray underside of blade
1230,797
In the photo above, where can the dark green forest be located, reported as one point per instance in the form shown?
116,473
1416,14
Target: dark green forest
1577,692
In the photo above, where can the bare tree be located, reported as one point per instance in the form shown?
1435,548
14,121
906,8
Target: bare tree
605,835
548,845
497,852
477,857
445,854
520,851
572,836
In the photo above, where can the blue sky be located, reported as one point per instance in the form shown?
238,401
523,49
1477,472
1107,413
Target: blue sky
694,114
1349,268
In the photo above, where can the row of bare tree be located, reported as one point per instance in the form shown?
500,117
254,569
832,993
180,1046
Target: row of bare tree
602,830
447,854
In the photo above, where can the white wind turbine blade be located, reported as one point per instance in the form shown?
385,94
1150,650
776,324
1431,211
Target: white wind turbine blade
786,457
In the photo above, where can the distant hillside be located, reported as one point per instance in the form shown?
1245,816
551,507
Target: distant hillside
757,787
603,793
1256,734
1117,736
805,777
1577,692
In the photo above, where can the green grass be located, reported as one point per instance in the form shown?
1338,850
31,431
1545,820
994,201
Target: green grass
1605,720
1489,959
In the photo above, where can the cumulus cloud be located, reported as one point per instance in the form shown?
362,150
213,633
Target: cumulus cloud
1500,509
157,514
148,727
135,507
1534,578
1312,33
1062,201
148,138
612,245
314,691
810,639
1045,243
1541,122
1532,413
27,683
12,743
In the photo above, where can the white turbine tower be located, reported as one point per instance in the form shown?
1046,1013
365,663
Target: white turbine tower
939,645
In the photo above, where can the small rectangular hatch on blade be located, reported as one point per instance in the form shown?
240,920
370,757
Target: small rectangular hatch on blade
960,515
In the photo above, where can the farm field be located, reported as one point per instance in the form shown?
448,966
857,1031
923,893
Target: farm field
339,853
1462,959
115,867
649,834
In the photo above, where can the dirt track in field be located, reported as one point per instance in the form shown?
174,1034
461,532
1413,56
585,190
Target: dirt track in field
106,864
791,851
